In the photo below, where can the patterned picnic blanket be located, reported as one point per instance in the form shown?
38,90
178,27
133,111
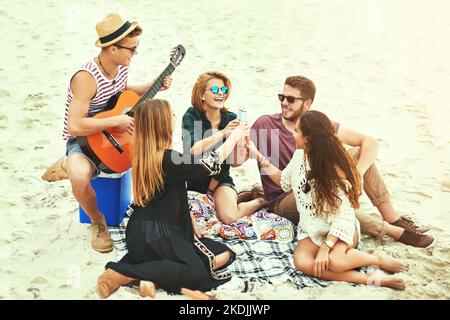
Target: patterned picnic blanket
261,225
264,245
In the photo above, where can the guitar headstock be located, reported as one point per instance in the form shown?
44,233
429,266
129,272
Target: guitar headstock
177,55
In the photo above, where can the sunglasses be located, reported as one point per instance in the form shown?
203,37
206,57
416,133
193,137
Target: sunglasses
215,89
307,186
133,50
289,99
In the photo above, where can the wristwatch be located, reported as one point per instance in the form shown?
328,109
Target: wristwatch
329,244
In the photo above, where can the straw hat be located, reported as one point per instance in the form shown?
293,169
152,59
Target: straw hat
112,29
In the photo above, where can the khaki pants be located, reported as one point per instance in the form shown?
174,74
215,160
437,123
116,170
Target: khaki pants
373,186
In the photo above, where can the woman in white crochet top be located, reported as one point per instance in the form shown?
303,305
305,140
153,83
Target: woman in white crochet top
327,187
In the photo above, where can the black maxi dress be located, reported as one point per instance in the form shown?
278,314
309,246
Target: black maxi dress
160,237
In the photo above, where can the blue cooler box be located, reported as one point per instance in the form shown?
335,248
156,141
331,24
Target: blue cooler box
113,197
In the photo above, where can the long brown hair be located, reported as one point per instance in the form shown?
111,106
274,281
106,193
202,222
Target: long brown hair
200,86
153,129
325,154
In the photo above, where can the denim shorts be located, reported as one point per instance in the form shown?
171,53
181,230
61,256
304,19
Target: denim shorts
227,184
72,147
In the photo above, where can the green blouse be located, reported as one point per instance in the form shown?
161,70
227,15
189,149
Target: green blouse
197,127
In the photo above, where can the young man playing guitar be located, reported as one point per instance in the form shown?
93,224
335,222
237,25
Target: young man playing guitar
89,91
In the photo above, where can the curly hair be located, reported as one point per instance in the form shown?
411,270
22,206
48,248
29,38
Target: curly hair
326,155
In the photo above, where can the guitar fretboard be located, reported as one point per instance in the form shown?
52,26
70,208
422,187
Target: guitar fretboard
154,88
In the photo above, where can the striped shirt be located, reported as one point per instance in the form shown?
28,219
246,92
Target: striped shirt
105,90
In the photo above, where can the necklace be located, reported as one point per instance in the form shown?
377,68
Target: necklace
101,65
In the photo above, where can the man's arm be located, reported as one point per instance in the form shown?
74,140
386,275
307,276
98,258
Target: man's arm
368,145
84,88
141,89
264,164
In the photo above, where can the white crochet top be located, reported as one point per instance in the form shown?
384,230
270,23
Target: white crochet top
341,223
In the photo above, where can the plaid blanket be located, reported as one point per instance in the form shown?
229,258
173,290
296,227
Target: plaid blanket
256,260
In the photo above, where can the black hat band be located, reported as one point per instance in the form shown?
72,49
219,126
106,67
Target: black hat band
116,33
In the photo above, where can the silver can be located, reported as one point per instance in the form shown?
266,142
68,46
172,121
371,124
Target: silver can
242,115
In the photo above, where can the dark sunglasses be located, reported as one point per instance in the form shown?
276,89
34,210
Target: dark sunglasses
290,99
133,50
215,89
307,186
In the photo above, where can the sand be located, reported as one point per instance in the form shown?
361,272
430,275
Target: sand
381,68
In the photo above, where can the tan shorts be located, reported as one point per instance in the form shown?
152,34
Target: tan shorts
373,184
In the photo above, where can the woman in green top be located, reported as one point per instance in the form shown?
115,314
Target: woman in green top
206,125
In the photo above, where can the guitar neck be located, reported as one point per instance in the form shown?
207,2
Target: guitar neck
154,88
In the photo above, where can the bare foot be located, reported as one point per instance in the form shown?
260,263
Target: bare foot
147,289
390,264
109,281
393,282
197,295
382,280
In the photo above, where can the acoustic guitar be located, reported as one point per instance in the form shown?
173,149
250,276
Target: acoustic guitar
111,149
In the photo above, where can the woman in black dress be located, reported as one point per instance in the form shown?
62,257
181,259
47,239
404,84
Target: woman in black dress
163,249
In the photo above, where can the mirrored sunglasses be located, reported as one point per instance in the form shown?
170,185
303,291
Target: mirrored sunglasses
215,89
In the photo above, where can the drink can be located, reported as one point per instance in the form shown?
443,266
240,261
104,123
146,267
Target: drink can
242,115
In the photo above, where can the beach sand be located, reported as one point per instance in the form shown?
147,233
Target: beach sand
380,68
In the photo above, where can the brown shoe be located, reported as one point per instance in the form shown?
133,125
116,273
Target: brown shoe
101,240
109,281
416,239
57,171
407,224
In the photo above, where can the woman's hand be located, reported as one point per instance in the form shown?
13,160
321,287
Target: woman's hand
242,148
230,127
322,261
240,132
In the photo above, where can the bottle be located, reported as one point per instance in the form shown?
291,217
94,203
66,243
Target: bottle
242,115
241,145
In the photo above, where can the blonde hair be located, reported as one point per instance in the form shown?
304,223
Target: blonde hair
152,135
200,86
